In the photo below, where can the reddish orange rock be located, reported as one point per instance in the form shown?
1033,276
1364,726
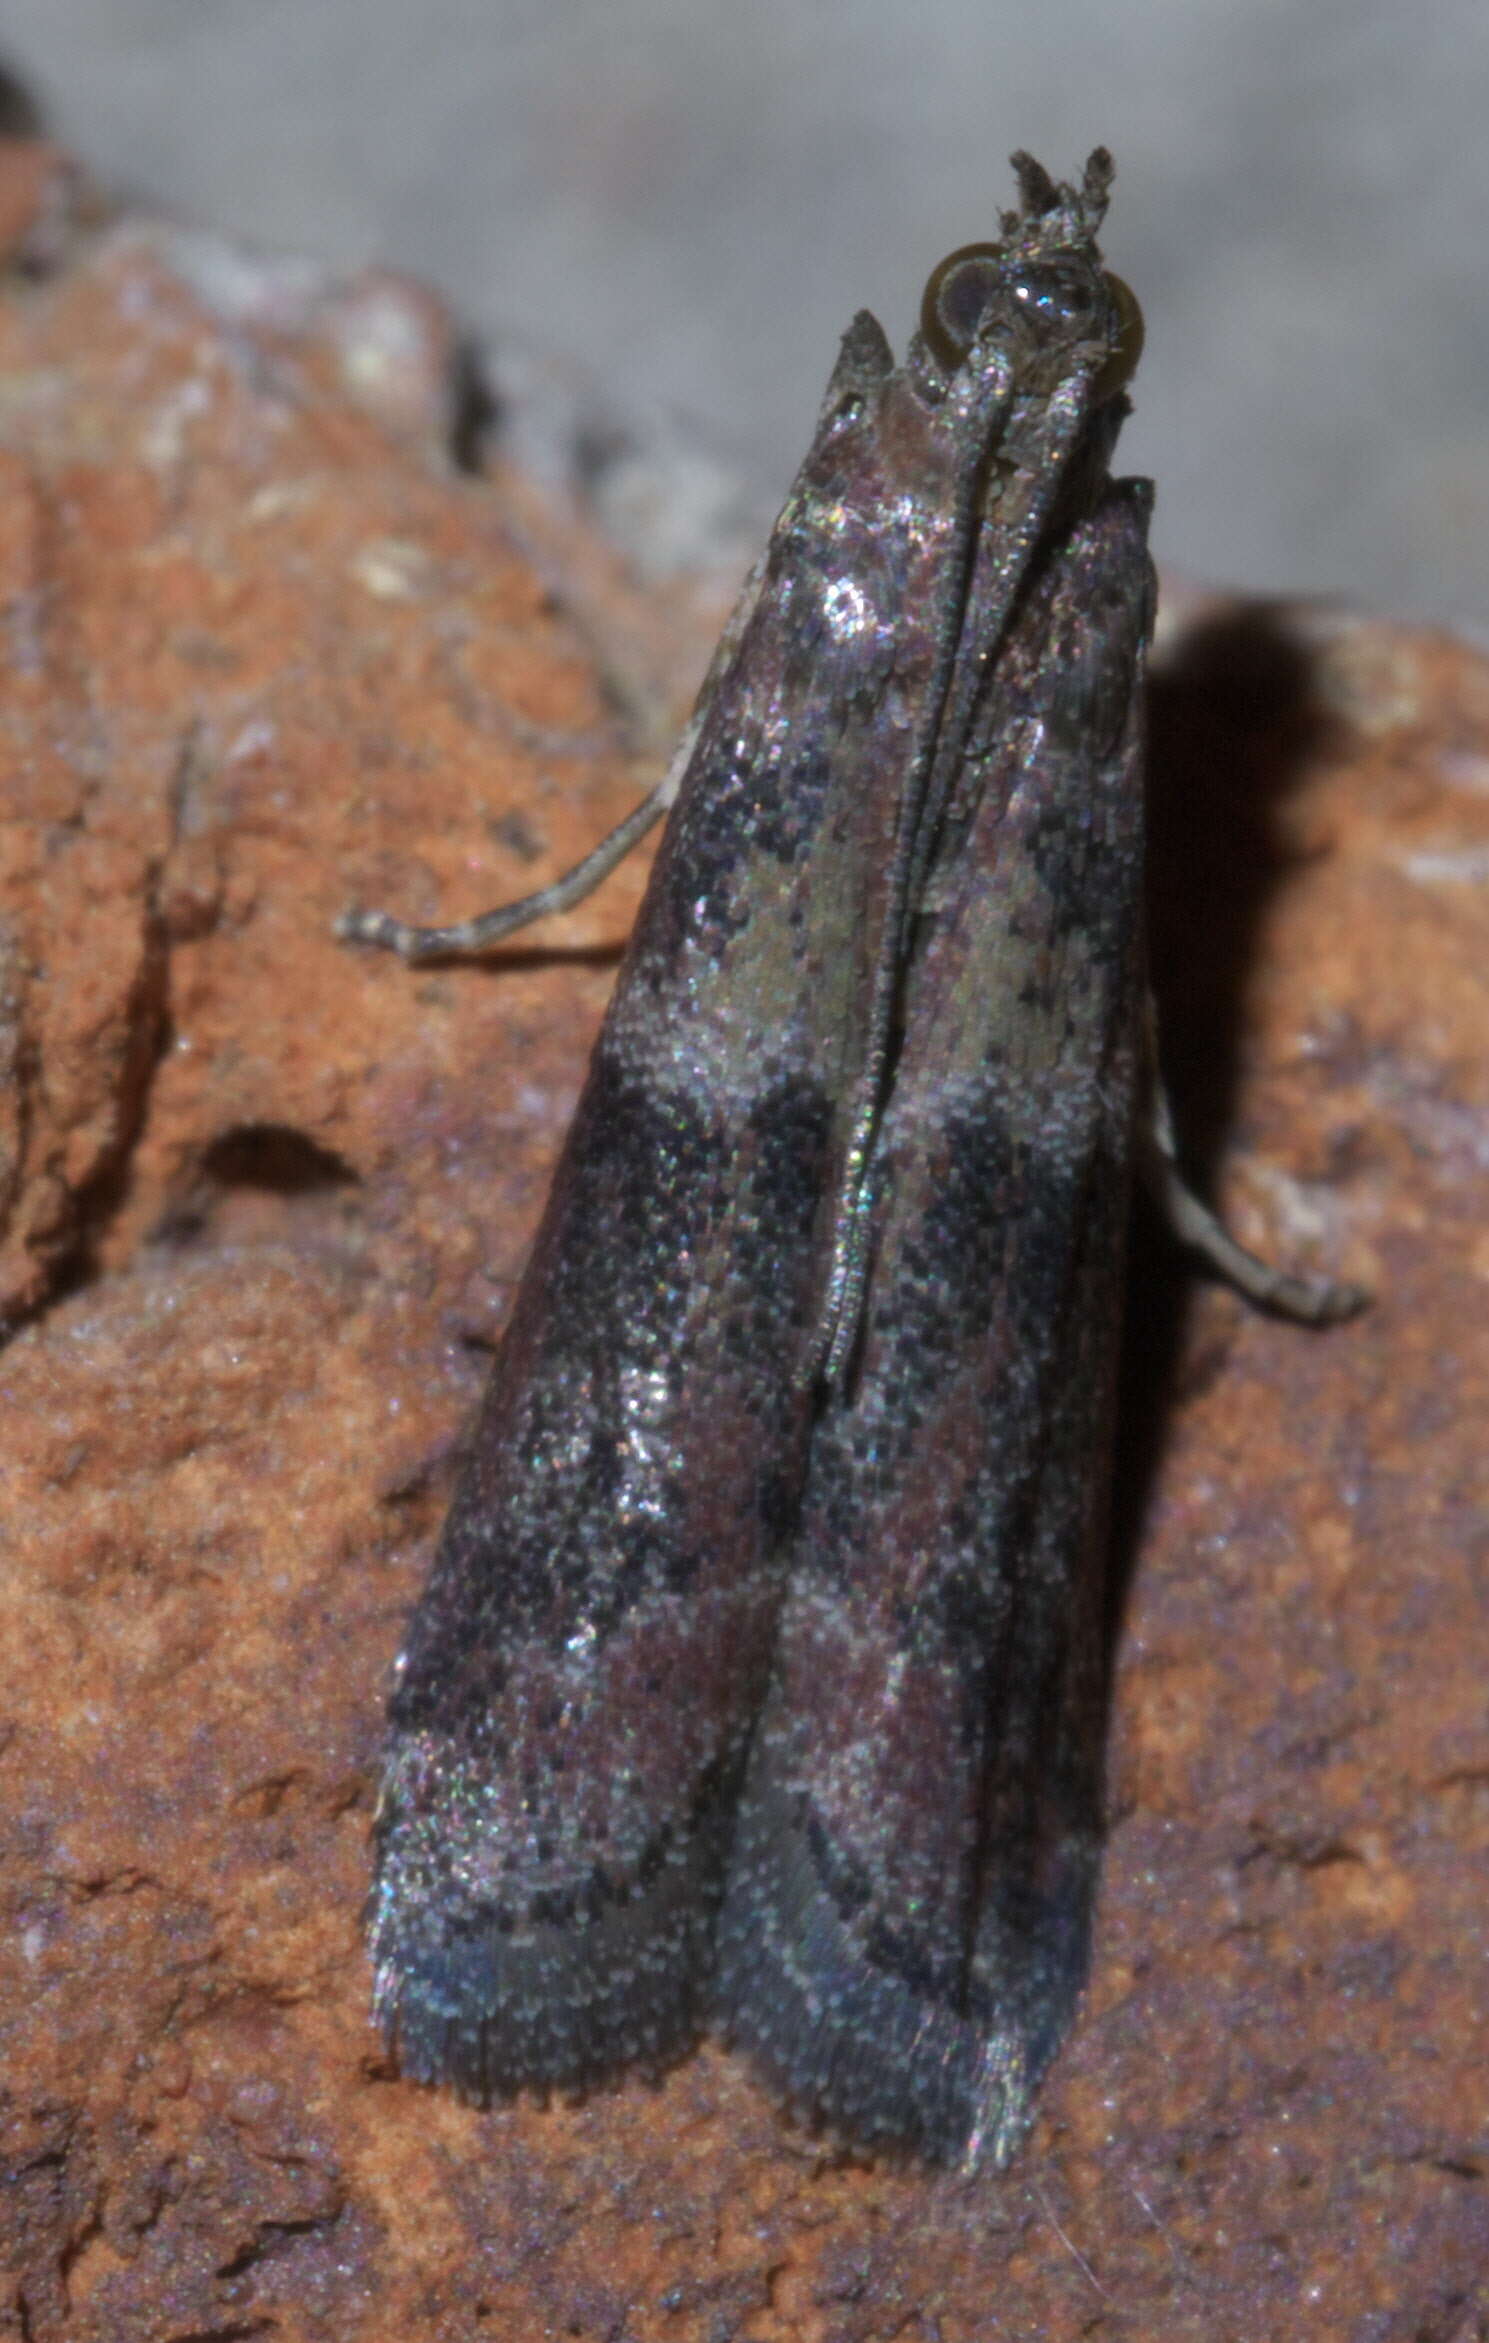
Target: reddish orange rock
268,650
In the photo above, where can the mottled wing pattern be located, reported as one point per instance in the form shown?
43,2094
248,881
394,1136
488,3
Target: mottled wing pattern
907,1912
579,1680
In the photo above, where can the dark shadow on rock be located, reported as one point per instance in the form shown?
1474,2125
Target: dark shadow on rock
1234,722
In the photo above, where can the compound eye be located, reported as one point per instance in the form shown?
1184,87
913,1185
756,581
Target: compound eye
1127,340
1057,305
956,299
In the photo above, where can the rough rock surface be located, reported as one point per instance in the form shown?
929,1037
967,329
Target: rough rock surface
267,649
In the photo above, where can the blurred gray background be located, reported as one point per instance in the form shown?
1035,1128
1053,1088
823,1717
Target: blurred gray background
684,202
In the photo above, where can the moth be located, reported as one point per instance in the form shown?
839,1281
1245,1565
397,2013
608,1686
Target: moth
758,1679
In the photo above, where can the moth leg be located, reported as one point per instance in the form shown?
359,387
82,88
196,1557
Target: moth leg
1316,1301
477,935
469,936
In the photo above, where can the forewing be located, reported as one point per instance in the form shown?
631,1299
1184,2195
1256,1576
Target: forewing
582,1671
907,1910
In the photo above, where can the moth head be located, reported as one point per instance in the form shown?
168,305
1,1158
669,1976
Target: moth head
1041,290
